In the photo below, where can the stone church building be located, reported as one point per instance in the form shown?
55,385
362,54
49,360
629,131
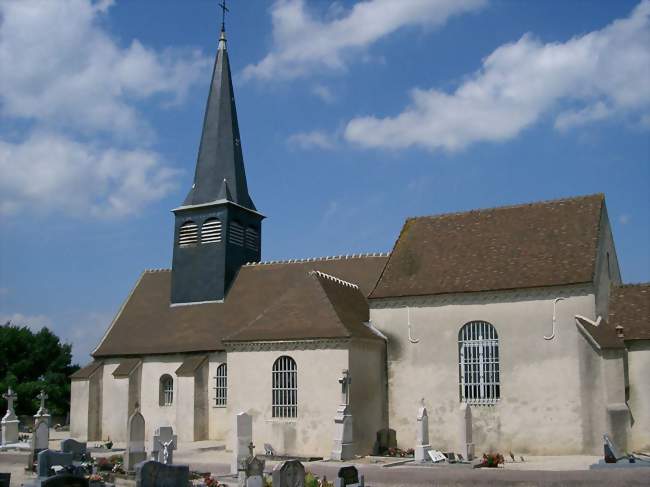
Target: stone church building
517,311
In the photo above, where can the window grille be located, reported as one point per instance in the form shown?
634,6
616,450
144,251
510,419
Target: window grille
221,385
252,239
188,234
479,363
285,388
236,234
211,231
166,390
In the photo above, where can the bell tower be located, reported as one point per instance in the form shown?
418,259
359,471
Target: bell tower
217,228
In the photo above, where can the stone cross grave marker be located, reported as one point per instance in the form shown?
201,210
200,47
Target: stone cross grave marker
49,458
289,474
156,474
78,449
243,437
348,477
42,412
9,424
465,444
422,432
135,452
254,471
164,444
343,423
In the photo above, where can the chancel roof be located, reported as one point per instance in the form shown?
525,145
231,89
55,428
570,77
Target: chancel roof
629,307
147,324
534,245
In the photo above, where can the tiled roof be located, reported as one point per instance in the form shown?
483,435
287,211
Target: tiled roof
533,245
629,307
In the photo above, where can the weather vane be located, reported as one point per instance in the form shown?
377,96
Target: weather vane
224,9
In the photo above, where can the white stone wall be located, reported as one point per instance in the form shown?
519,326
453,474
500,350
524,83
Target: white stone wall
79,409
115,402
639,402
319,393
541,406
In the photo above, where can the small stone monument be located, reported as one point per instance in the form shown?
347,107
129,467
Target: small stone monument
289,474
243,437
422,445
348,477
155,474
79,450
163,445
10,420
42,414
41,435
135,452
48,458
465,446
343,435
254,470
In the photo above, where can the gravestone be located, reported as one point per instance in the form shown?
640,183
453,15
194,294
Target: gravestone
243,437
65,480
289,474
437,456
348,476
135,452
612,454
254,472
156,474
343,424
41,435
9,424
465,444
163,445
422,445
5,479
386,438
49,458
79,450
42,414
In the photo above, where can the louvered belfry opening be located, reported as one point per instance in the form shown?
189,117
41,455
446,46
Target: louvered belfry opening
252,239
479,363
211,231
285,388
188,234
236,235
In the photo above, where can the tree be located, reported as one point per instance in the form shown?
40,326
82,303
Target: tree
31,361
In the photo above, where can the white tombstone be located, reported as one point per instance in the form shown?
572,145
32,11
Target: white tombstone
422,445
9,424
243,438
343,423
163,445
42,414
135,452
465,445
41,435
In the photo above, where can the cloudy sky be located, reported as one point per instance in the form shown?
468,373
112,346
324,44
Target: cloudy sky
354,115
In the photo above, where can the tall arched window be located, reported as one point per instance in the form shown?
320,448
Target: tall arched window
221,385
285,388
188,234
478,346
211,231
166,391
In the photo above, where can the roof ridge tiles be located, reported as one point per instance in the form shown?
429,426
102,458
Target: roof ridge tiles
160,269
334,279
319,259
508,207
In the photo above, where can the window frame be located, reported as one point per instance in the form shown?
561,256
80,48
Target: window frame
166,391
284,388
478,364
221,386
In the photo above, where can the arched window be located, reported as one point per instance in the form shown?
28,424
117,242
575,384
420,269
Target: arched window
211,231
285,388
252,239
166,393
188,234
236,235
221,385
478,346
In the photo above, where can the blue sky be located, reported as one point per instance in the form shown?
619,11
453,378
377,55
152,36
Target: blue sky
354,116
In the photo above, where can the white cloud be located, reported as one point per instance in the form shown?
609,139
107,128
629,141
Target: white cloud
324,93
33,322
312,140
75,90
604,73
303,44
624,219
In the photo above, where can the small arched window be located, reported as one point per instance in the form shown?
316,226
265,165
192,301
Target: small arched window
221,385
166,392
252,239
188,234
285,388
236,235
211,231
478,345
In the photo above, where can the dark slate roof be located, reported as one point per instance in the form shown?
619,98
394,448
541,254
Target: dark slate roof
629,307
317,306
220,154
126,367
147,324
86,371
533,245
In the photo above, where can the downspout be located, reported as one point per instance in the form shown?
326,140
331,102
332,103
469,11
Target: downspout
408,320
555,301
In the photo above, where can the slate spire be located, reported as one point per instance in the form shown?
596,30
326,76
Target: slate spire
220,154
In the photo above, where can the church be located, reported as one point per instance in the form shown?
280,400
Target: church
518,312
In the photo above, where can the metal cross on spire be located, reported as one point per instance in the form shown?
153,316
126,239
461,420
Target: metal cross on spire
224,9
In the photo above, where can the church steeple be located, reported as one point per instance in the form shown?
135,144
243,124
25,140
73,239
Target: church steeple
218,228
